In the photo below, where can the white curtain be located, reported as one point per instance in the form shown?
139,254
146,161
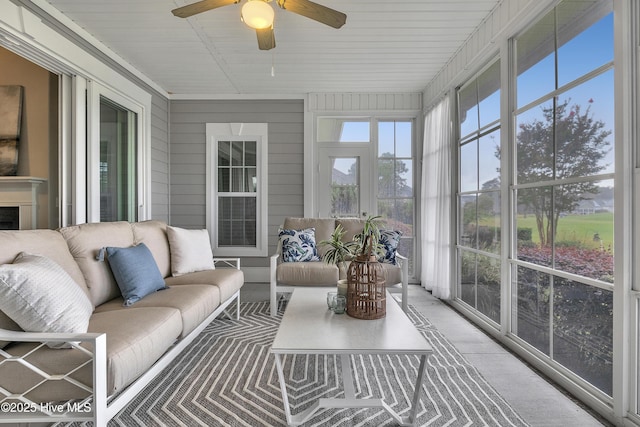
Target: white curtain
436,201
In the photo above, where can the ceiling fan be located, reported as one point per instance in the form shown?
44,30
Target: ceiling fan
258,15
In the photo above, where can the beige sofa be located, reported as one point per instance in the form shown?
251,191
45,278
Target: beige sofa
125,347
285,276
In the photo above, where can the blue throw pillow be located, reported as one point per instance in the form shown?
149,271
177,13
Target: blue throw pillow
299,245
135,271
390,239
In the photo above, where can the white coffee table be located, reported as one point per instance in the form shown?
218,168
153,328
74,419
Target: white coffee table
308,327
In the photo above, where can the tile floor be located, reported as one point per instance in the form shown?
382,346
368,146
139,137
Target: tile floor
522,387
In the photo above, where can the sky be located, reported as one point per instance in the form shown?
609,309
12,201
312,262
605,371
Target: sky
582,54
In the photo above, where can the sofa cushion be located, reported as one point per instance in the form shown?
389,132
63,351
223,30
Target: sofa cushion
195,303
351,226
135,271
389,239
48,243
40,296
190,250
9,325
44,242
227,280
130,352
154,234
323,228
298,245
393,274
307,273
85,242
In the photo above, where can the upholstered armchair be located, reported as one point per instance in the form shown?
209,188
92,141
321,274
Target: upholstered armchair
286,274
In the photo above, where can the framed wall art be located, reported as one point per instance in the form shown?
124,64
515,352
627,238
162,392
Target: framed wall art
10,122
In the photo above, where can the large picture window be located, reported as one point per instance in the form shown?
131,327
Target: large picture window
562,265
479,199
395,181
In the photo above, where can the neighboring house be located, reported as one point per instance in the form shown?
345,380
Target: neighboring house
587,207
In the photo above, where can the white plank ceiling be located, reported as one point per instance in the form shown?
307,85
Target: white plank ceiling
385,46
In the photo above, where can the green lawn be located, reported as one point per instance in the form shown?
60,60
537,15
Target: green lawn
577,228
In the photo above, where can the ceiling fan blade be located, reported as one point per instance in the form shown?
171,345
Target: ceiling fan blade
315,11
266,38
201,6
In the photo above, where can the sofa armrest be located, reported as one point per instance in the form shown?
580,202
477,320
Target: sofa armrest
229,262
403,263
273,282
97,392
22,336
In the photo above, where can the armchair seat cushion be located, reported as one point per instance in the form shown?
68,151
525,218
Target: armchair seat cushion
312,273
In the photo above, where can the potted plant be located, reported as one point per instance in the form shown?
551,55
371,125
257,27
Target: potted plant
368,240
339,252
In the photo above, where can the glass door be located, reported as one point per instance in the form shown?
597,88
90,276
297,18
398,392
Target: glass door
118,160
345,182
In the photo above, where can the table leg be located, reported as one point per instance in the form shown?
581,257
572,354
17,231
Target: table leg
411,419
347,377
283,388
350,400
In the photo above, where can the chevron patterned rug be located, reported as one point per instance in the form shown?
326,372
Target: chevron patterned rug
228,378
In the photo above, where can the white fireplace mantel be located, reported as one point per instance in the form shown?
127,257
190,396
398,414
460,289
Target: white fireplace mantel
21,192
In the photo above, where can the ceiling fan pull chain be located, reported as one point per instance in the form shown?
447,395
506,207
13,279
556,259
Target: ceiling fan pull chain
273,70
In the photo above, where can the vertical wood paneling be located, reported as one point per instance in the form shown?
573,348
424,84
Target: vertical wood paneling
285,155
364,101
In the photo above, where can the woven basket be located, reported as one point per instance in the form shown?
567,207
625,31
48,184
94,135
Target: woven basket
366,295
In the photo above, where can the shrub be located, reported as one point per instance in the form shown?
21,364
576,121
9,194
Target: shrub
524,234
592,263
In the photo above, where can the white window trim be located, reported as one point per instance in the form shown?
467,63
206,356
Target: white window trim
143,166
229,131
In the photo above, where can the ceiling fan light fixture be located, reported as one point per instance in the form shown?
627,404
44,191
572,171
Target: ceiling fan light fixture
257,14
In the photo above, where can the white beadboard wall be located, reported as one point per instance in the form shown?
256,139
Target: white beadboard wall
483,43
319,102
285,156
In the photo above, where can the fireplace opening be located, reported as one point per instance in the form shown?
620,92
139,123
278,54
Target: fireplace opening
9,217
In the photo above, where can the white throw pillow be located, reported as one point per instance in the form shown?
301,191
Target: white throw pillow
37,294
190,250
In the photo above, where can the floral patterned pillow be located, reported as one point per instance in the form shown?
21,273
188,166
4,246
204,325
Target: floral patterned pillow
390,240
299,245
